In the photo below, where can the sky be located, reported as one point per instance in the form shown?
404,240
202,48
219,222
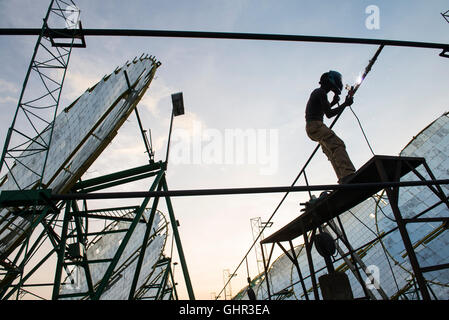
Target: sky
244,88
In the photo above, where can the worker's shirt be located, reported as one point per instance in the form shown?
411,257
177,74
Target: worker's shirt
317,106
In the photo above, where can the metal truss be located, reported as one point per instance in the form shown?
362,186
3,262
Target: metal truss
161,285
445,15
62,232
418,285
32,126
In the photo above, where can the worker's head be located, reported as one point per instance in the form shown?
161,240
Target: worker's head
332,80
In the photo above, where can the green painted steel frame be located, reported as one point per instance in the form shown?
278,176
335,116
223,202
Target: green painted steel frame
174,225
73,215
30,131
104,282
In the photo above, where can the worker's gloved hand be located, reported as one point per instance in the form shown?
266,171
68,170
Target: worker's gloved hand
349,100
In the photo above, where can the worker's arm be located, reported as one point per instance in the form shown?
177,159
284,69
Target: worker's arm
329,112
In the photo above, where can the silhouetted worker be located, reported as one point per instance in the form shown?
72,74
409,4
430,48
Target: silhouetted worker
318,106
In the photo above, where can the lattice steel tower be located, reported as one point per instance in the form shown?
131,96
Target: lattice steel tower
45,155
32,126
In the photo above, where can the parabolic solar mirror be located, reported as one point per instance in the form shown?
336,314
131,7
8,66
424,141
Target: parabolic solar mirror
105,246
81,132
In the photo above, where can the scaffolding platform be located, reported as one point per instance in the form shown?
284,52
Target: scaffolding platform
379,168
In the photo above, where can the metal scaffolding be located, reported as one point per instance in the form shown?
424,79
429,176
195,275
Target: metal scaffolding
61,230
57,218
32,126
324,211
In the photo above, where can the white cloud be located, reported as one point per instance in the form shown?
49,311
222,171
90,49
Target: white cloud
157,92
189,121
8,99
78,83
6,86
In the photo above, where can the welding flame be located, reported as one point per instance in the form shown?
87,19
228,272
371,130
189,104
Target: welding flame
359,80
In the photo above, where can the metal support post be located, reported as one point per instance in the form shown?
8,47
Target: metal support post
298,269
178,241
308,247
83,240
352,263
148,230
9,278
265,268
354,258
392,194
439,193
173,281
121,248
294,260
169,139
61,250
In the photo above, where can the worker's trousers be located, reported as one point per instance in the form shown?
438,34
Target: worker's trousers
333,147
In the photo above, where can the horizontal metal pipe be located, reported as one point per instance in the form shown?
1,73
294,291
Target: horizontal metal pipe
210,192
61,33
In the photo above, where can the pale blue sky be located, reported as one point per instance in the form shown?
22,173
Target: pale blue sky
230,84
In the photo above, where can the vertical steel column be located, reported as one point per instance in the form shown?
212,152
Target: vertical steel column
81,239
149,224
5,284
172,281
392,194
298,269
351,263
265,268
307,183
294,260
182,259
61,251
355,259
121,248
142,131
169,139
308,247
440,194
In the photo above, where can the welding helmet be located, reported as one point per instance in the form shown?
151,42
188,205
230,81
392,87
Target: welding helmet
333,79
